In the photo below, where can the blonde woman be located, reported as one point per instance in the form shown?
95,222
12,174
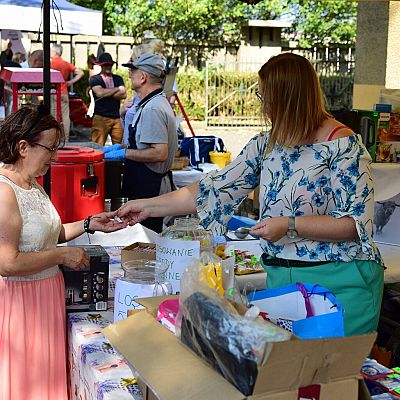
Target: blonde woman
316,195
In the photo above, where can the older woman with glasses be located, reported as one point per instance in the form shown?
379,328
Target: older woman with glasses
316,195
32,293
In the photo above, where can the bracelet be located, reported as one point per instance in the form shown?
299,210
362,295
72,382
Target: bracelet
86,224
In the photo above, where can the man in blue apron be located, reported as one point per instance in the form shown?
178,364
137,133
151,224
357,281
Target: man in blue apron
152,136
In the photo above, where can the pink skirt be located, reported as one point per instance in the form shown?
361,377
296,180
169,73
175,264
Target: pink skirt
32,339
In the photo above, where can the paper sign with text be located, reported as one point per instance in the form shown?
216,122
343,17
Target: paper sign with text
126,294
176,255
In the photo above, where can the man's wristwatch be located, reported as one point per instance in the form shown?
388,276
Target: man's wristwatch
291,232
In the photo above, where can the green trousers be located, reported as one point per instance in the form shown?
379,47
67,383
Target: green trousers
358,285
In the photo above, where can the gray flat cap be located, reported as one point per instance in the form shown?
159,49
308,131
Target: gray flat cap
148,62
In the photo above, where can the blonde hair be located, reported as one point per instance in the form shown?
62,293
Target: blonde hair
292,99
137,51
157,45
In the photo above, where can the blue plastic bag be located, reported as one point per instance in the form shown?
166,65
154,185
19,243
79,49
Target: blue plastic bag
309,311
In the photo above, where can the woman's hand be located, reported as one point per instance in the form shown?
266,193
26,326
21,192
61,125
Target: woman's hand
75,258
106,222
271,229
134,211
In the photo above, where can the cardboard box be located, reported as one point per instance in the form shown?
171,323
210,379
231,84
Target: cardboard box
133,252
170,371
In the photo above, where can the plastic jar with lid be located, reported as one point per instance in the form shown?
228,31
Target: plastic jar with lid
142,278
180,245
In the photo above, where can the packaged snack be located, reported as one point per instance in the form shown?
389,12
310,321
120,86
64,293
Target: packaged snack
246,263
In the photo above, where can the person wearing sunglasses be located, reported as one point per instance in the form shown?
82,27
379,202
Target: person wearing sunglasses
316,195
32,293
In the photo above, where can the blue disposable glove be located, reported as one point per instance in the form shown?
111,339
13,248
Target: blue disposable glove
114,147
115,155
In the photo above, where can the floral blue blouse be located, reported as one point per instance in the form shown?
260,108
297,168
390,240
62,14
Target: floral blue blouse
332,178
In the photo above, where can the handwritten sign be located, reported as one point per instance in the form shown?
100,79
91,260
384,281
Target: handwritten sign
176,255
127,292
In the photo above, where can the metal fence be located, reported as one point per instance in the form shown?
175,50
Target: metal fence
230,88
335,67
230,95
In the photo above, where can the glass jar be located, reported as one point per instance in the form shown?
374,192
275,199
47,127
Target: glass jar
189,229
144,271
142,278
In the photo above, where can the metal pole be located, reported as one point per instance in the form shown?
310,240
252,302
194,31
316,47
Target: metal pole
46,53
46,77
206,106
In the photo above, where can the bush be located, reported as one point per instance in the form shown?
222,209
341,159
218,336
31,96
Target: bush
192,92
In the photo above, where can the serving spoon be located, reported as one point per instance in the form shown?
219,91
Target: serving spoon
242,232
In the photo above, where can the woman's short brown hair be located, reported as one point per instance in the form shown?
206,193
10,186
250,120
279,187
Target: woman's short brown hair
292,99
25,124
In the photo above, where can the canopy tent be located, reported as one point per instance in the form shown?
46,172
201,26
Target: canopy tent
26,15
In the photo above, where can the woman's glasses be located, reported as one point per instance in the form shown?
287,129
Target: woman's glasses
50,149
259,97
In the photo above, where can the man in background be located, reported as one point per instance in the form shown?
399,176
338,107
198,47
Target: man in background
152,138
5,63
108,90
7,54
66,70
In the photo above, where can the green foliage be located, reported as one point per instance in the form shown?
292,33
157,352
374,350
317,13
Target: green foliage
323,22
195,21
218,22
192,92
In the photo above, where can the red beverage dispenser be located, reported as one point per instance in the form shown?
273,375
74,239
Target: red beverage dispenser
77,182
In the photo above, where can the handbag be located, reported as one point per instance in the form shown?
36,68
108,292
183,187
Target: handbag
197,148
309,311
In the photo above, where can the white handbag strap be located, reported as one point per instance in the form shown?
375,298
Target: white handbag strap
196,149
217,147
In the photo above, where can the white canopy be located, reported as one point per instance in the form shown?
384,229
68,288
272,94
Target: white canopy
26,15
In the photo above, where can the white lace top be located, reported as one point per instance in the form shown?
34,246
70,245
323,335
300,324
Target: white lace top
41,224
